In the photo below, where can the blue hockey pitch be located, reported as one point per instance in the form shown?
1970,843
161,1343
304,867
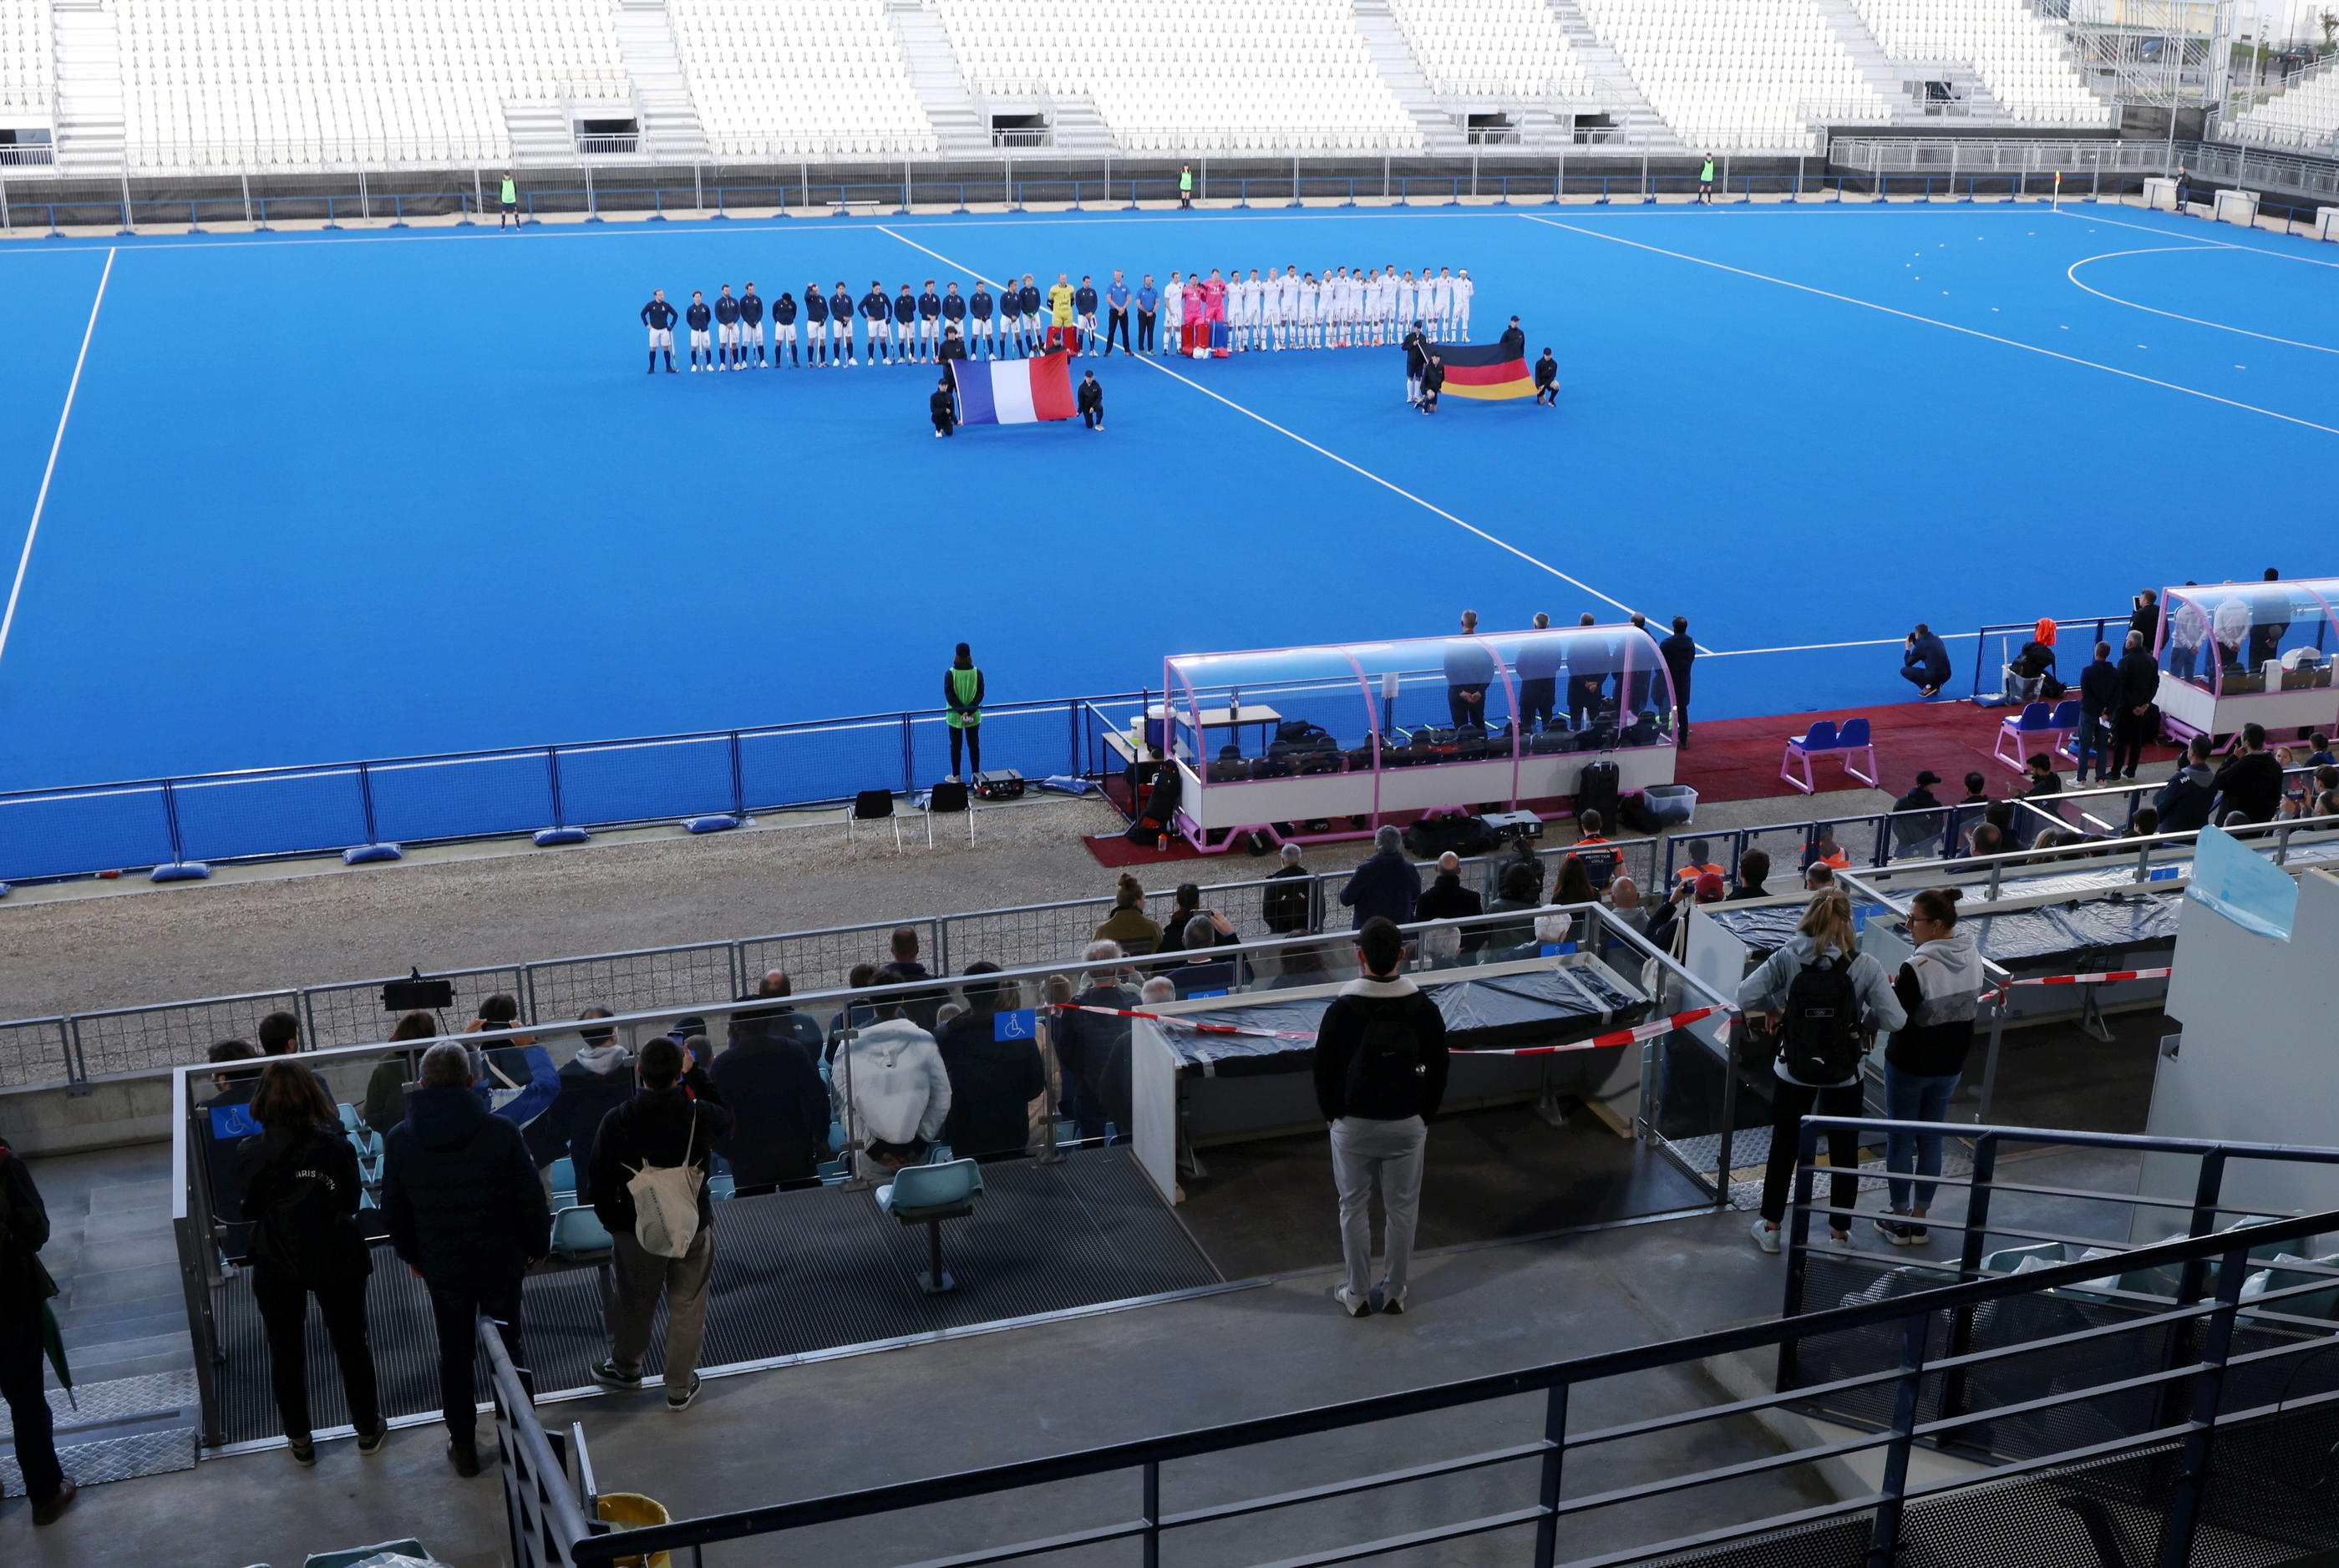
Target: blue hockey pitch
330,495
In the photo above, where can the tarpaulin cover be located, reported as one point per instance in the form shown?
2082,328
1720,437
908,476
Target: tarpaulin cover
1536,1007
2065,930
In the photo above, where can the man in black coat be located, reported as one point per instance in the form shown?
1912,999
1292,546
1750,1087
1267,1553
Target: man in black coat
1286,907
1416,357
779,1108
1094,1049
1433,382
1385,884
1925,661
1546,380
675,1120
2186,800
25,1286
994,1081
2099,692
467,1213
2251,781
2133,720
1513,342
1679,651
1089,398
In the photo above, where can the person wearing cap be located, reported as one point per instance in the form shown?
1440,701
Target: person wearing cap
1921,797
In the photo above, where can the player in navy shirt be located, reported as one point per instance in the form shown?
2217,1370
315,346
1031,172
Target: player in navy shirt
979,311
1084,309
784,328
1028,296
700,318
816,310
1149,303
930,313
840,322
659,317
751,325
877,310
905,324
1011,320
726,330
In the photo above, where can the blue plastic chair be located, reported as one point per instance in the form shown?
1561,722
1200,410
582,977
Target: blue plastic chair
2035,720
927,1195
577,1234
1820,737
564,1178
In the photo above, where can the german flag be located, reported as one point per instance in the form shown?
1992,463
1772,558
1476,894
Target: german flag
1483,371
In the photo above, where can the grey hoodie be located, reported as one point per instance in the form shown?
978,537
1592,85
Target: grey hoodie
1766,988
1940,985
891,1084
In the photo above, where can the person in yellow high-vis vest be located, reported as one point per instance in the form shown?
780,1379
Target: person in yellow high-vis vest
962,694
509,196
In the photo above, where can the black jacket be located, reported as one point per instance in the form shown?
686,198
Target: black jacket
1432,377
25,1283
1342,1030
1095,1049
2251,783
1546,371
1284,906
1514,345
1090,395
1447,898
1416,354
2184,802
1385,884
566,1130
2100,685
2140,680
1679,651
993,1085
458,1192
1929,655
779,1110
656,1127
1918,799
271,1165
942,405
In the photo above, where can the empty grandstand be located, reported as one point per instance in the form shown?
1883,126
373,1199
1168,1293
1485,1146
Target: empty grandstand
2303,117
2019,54
1756,74
819,77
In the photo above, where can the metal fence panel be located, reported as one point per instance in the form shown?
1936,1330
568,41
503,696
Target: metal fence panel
1035,741
560,989
352,1013
634,780
140,1039
34,1051
270,814
72,831
453,797
824,960
820,763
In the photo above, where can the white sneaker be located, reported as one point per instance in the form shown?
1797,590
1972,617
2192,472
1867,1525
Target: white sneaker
1766,1235
1349,1302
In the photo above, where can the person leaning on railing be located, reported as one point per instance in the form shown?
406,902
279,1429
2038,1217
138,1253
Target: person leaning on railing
1939,986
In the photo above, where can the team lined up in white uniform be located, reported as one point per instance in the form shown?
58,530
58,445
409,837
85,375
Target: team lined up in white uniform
1345,308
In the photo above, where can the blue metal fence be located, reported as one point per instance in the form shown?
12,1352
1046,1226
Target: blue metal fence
262,814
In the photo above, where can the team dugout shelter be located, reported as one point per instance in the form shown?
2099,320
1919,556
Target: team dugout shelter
2233,654
1313,743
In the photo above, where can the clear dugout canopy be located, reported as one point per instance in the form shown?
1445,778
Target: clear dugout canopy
2222,637
1594,687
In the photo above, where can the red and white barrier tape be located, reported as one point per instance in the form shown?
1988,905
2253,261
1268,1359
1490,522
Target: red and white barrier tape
2005,985
1634,1036
1188,1022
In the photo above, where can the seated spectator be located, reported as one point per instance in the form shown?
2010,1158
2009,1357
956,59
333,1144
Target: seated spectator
1441,947
1517,893
1575,889
1287,907
1386,884
858,1013
1818,876
1522,853
921,1008
1701,861
1975,794
1822,850
2326,804
2251,781
1184,905
994,1081
1925,661
2318,751
1156,992
279,1034
1093,1050
1129,927
892,1093
1624,897
1599,857
227,1120
1988,839
1447,898
594,1082
385,1095
1667,926
1203,973
779,1108
2145,823
1998,814
2187,799
1302,965
776,1022
1753,875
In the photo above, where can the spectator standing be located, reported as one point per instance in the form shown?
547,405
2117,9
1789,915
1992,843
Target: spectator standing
1517,893
963,694
670,1125
922,1008
25,1289
943,411
2251,781
2099,692
1679,651
2134,720
1921,795
227,1122
594,1082
1287,907
1384,885
1380,1071
892,1093
467,1213
1128,925
1940,988
779,1110
2145,620
300,1191
777,1023
1824,1000
1469,671
1203,974
1092,1049
1925,661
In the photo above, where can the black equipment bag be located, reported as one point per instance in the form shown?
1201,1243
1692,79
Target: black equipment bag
999,783
1596,789
1434,836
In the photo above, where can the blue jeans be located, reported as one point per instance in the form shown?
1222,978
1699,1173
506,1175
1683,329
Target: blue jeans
1910,1098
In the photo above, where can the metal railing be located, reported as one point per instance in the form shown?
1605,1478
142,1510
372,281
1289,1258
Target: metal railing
1555,1445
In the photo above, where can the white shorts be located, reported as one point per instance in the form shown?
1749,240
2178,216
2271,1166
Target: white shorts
881,332
698,338
661,337
781,332
979,326
753,332
928,328
729,332
1173,325
1088,325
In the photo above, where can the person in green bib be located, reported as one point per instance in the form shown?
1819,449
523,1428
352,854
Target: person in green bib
1705,182
510,214
1184,186
962,694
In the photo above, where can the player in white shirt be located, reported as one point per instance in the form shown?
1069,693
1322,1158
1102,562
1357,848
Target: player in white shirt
1287,305
1369,294
1384,303
1173,315
1408,305
1307,314
1337,309
1463,289
1255,292
1441,303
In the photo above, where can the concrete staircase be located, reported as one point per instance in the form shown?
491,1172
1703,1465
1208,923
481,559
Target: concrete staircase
670,115
960,128
1393,58
1900,81
1614,92
1077,125
540,131
90,128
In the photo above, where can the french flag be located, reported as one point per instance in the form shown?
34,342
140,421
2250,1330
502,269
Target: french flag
1013,391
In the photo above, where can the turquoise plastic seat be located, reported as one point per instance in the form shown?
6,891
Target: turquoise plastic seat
564,1177
577,1233
927,1195
349,1122
359,1553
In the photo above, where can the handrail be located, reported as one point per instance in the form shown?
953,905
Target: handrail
1152,1452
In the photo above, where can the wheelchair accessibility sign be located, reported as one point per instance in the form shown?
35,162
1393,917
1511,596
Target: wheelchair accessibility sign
1021,1024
